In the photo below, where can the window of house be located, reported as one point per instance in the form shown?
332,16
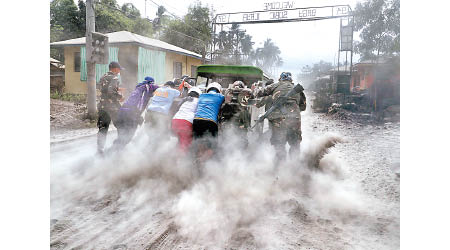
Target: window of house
77,61
193,70
177,70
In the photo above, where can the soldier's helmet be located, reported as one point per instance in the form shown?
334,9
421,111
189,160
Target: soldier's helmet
238,84
286,76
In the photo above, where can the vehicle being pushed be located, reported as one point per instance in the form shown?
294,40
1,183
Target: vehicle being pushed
226,75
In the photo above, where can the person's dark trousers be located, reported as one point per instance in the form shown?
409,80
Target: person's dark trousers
125,132
205,138
204,134
204,127
104,119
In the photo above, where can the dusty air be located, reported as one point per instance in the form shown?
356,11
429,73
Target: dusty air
190,129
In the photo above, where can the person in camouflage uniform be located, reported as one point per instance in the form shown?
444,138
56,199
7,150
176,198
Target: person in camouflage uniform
266,101
109,104
286,121
235,113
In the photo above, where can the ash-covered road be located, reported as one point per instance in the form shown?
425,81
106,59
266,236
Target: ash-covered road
147,198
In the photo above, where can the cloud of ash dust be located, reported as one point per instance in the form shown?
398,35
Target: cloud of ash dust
243,186
125,197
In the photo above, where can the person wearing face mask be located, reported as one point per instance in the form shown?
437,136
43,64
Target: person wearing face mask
109,104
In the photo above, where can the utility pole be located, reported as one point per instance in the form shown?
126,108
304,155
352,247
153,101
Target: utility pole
91,89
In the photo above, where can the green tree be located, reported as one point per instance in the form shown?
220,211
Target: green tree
56,32
198,23
247,48
65,23
130,11
192,31
81,18
68,20
222,40
379,23
109,18
234,46
268,57
143,27
64,16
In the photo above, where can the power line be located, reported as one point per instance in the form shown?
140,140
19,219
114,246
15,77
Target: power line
166,9
112,8
166,4
171,6
186,35
198,33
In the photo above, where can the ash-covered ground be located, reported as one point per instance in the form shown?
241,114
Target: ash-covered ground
147,197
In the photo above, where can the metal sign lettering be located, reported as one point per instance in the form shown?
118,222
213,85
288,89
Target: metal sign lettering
274,14
278,5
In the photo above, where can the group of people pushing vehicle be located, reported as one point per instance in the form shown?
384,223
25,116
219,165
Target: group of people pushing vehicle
194,116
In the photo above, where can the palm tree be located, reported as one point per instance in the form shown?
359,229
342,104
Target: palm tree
222,40
268,57
246,47
157,22
160,11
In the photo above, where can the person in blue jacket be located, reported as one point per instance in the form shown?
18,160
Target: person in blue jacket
130,114
206,117
158,110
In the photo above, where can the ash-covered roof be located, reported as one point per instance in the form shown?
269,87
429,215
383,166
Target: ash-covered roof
56,63
126,37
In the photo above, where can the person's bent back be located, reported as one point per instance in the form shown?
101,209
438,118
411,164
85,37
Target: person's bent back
157,115
208,108
129,116
183,119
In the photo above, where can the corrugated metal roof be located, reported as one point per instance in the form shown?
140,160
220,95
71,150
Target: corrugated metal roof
341,68
381,59
128,37
326,77
53,60
57,63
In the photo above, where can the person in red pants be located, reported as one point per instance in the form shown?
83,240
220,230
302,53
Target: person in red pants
182,120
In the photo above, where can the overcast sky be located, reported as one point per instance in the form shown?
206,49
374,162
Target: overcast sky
301,43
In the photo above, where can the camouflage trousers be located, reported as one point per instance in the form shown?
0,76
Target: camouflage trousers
286,130
105,116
